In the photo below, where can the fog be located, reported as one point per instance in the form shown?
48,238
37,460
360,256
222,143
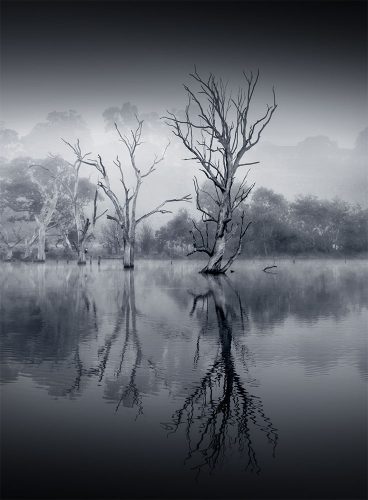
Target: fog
190,328
94,60
317,165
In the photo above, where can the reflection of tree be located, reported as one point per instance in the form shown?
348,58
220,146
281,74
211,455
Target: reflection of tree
125,325
43,319
220,412
46,310
308,291
130,395
68,328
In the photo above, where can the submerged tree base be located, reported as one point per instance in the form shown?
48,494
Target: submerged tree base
39,261
128,266
213,272
82,263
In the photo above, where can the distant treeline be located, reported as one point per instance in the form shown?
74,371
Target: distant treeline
29,208
306,226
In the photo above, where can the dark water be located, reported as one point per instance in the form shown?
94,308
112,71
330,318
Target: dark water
162,383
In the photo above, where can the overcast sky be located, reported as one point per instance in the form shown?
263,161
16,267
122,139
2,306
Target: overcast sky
87,56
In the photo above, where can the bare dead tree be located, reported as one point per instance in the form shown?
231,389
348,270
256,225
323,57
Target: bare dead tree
82,224
50,192
125,208
218,138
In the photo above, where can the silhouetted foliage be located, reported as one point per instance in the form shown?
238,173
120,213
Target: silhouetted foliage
308,225
175,236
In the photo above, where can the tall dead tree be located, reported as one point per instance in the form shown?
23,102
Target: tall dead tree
218,137
50,188
82,224
125,209
43,221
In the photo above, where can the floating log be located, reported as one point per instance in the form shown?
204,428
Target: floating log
267,268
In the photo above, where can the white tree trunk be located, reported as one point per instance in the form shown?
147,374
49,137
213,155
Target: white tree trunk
214,264
27,250
41,254
128,255
9,254
81,254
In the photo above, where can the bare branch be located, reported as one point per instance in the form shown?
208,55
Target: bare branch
238,249
159,208
217,138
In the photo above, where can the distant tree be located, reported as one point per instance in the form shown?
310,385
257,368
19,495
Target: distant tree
361,143
125,209
123,117
218,139
10,142
8,136
112,237
270,230
337,212
13,232
146,239
318,222
354,231
31,189
45,136
176,233
18,191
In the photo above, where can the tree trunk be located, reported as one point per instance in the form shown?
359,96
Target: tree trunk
128,255
9,254
264,241
27,251
82,255
41,254
214,264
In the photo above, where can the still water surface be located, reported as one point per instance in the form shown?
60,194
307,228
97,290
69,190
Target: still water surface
164,383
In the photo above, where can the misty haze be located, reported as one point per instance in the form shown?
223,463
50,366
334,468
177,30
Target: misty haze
183,249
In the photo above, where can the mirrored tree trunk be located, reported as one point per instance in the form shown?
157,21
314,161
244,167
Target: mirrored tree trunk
41,253
116,366
221,412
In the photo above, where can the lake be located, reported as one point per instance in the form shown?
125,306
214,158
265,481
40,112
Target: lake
164,383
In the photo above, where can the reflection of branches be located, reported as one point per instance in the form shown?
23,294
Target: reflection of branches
131,396
220,412
126,321
81,293
80,371
104,351
204,299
